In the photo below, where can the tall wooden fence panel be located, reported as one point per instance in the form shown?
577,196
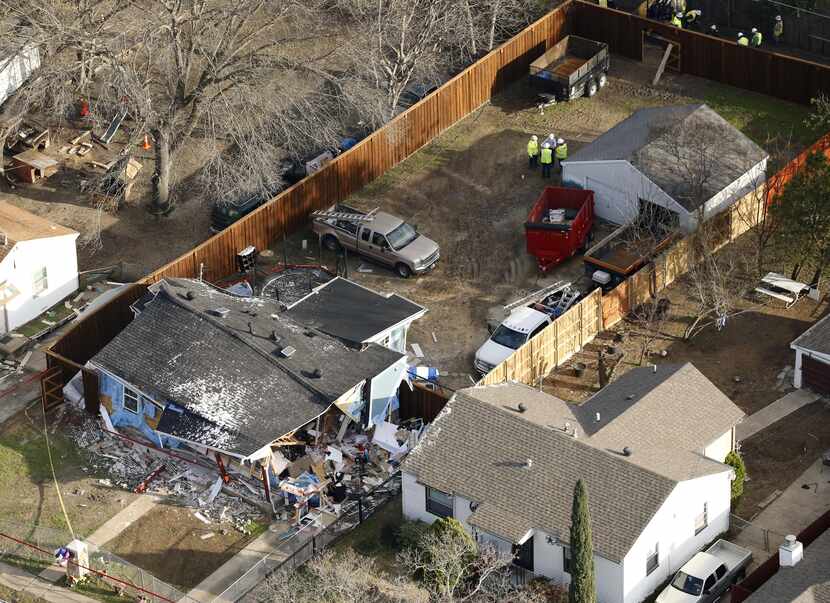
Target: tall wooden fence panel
759,70
420,402
553,346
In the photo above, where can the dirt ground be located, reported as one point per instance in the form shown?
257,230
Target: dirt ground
470,190
168,543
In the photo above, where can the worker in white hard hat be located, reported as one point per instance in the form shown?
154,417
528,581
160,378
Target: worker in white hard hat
533,152
742,39
561,152
777,30
756,38
546,159
551,140
713,30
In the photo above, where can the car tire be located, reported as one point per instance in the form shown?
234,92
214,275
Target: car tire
331,243
603,80
591,88
403,270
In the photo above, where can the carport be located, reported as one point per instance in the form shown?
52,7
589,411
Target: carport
812,358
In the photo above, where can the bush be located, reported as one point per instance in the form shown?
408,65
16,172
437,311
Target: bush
734,460
408,534
451,529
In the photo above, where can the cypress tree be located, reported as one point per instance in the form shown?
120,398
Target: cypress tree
583,587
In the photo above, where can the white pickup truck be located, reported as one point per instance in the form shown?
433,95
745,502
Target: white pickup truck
708,575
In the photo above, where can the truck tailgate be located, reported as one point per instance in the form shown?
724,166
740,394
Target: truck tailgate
731,554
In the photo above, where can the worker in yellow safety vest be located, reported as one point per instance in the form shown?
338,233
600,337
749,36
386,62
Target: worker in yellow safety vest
756,39
742,40
533,152
677,20
546,160
777,30
561,153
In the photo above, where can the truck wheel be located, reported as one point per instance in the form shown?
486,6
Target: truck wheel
591,89
403,270
331,243
603,79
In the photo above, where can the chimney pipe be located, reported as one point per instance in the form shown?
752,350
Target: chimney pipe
522,407
654,368
529,463
626,451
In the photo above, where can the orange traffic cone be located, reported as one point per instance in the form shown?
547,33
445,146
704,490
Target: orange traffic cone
146,145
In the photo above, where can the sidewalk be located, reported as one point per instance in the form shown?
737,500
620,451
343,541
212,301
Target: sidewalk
797,507
774,412
20,580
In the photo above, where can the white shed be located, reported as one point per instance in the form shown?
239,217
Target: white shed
15,69
812,358
38,265
686,159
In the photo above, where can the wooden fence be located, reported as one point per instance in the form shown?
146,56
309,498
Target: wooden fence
421,402
560,340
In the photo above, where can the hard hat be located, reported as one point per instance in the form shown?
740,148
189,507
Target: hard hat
552,135
741,35
714,27
754,30
777,17
545,145
560,141
534,138
679,13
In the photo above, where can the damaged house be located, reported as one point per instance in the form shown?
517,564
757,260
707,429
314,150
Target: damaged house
650,448
234,379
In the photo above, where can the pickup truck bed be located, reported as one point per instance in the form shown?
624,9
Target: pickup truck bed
567,64
730,554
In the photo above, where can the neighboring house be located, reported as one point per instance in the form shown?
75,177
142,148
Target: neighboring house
665,157
806,582
221,373
357,315
38,265
16,69
812,358
504,459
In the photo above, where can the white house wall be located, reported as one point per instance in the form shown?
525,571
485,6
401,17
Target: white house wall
735,191
15,70
673,529
385,388
58,255
722,446
618,186
799,359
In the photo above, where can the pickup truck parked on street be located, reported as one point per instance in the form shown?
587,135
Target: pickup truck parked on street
526,318
378,236
708,575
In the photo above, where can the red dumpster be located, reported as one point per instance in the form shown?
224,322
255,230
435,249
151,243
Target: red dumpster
559,224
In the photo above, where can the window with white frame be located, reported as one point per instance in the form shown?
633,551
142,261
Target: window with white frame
438,503
702,520
653,559
40,282
131,400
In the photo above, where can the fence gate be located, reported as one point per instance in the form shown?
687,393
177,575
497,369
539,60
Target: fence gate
51,387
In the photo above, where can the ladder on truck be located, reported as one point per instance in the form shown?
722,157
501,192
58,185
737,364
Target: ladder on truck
566,301
539,295
344,215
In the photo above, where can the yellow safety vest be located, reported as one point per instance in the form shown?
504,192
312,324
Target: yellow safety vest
778,31
562,151
547,156
532,148
743,41
757,38
677,22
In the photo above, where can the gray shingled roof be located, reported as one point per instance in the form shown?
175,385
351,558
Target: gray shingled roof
816,338
228,370
351,312
651,140
478,450
807,582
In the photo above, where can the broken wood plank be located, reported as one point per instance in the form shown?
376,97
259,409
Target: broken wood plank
78,139
663,63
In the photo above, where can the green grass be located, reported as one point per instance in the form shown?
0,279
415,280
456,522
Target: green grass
29,561
36,326
101,590
256,528
9,594
372,537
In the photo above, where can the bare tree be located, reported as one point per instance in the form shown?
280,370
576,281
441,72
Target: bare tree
649,319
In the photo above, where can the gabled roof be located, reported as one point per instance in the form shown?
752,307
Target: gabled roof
816,338
479,450
807,582
17,224
352,312
478,445
654,139
229,370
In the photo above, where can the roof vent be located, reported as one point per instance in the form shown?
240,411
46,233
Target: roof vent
626,451
220,312
316,373
521,407
598,417
653,368
190,295
275,336
287,351
528,463
310,333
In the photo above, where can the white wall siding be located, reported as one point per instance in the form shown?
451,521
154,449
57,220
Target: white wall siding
384,388
57,255
673,529
722,446
15,70
414,499
735,191
799,359
618,186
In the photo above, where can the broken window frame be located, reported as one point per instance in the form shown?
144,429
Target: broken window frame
437,507
133,395
653,559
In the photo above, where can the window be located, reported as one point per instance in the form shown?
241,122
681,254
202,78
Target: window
720,572
702,520
348,226
653,559
566,559
40,283
379,240
538,330
130,400
364,234
439,503
710,582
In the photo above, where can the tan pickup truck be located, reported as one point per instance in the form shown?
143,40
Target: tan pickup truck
379,236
